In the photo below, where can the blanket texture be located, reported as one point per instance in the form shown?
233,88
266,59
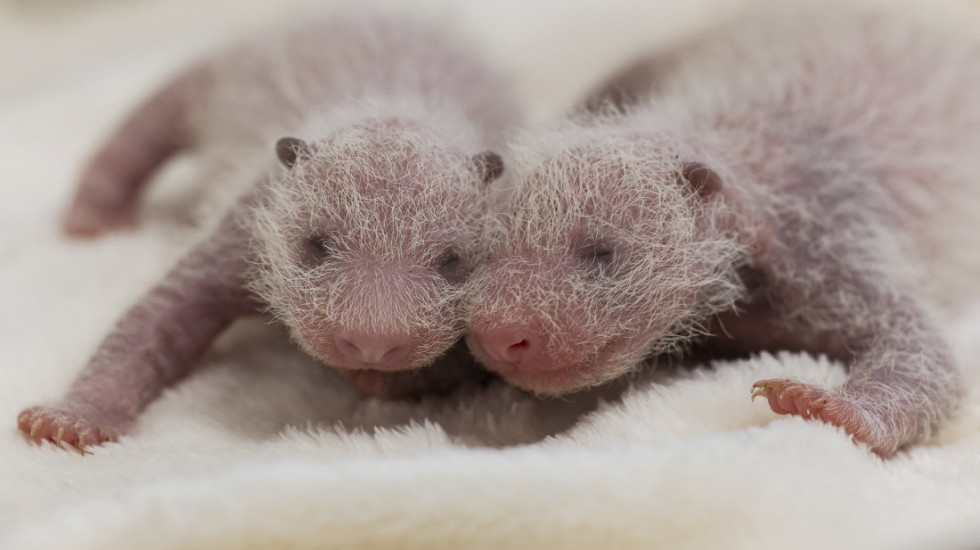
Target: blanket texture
264,448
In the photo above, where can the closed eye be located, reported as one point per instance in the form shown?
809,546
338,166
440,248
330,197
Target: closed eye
596,258
450,267
602,254
317,249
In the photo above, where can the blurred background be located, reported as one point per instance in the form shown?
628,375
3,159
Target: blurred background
70,70
554,49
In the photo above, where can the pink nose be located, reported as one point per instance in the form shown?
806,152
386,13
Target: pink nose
373,349
509,345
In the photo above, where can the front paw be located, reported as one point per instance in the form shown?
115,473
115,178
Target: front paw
796,398
77,426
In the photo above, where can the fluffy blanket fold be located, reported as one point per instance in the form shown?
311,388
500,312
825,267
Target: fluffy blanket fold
264,448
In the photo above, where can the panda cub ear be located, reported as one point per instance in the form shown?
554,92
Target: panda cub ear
288,149
488,165
705,181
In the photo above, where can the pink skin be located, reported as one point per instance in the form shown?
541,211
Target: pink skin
830,299
539,317
373,349
511,351
338,265
357,343
441,377
154,345
159,340
392,284
108,193
837,176
354,348
546,357
790,397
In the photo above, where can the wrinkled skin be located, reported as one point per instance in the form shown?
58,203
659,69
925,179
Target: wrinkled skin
777,186
566,297
362,255
359,238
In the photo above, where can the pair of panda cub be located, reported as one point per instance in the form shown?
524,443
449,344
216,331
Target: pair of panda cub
776,185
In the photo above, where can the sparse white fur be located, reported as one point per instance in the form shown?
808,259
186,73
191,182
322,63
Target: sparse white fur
386,231
358,239
311,80
393,108
901,77
587,181
846,138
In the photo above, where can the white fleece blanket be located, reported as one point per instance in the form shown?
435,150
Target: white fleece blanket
264,448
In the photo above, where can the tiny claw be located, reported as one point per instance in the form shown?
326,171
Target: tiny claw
87,438
80,446
61,434
36,426
757,391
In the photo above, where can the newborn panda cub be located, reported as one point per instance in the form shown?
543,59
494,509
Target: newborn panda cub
779,185
358,239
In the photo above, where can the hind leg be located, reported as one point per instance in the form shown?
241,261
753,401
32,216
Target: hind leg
108,193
